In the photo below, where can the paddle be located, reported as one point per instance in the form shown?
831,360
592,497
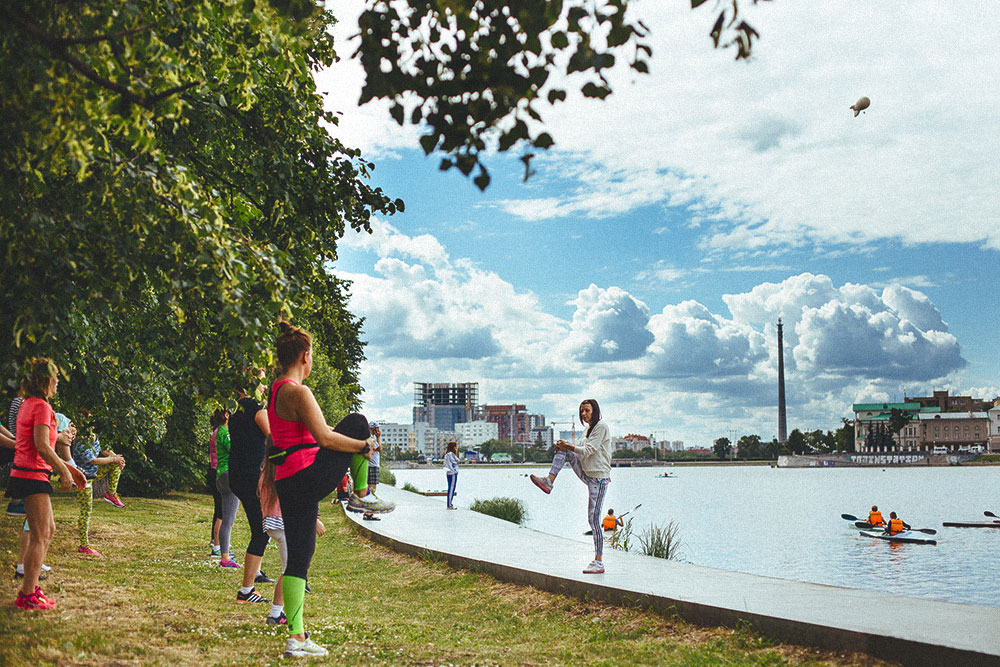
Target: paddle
991,515
590,532
929,531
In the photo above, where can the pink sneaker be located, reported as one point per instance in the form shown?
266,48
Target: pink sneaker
88,551
114,499
32,602
542,483
230,563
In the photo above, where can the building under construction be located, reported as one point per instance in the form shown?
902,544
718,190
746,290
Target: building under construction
444,404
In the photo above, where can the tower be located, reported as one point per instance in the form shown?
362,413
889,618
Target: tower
782,428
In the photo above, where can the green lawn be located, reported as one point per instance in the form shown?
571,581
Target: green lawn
156,598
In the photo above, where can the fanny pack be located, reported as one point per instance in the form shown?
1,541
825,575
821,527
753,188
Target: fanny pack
279,456
23,469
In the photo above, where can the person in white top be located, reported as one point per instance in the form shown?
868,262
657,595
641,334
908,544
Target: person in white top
451,470
591,461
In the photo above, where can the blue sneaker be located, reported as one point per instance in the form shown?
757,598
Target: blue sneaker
15,508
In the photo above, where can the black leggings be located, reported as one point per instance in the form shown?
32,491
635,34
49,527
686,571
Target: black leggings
245,488
217,499
300,494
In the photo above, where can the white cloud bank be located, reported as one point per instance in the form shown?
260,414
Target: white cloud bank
767,153
431,318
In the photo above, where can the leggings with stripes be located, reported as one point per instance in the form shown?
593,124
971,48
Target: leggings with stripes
596,489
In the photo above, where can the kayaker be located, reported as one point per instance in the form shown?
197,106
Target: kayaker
895,525
611,522
875,517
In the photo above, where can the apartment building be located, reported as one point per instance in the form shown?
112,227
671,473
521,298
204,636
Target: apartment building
955,431
477,432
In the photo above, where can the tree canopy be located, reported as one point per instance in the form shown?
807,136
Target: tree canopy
172,183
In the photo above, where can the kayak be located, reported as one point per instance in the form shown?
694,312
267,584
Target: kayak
906,536
972,524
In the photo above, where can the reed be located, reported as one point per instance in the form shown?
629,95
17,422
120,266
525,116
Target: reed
508,509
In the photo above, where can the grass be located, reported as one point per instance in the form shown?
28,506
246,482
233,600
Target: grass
385,476
508,509
157,599
661,541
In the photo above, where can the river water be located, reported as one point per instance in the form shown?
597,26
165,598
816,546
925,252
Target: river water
783,522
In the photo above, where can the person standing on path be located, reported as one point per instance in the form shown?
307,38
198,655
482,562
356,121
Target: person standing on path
451,471
34,461
310,459
373,464
248,428
591,461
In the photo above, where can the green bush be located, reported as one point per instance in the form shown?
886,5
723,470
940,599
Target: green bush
410,487
660,541
508,509
385,476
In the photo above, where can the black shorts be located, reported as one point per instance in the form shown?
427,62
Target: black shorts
18,487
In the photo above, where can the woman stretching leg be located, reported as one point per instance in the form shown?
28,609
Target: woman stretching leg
591,461
311,459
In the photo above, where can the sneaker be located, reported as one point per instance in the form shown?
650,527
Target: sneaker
542,483
262,578
88,551
32,602
41,575
229,562
308,587
216,552
15,508
595,567
303,649
369,504
114,499
280,619
46,568
41,596
253,596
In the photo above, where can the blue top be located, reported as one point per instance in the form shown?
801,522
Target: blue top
84,452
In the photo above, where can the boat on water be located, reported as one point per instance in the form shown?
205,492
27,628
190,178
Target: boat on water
907,537
972,524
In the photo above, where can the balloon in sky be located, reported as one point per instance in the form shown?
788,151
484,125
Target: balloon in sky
861,105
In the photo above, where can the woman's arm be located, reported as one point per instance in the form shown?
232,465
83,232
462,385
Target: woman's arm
66,474
306,409
6,438
261,420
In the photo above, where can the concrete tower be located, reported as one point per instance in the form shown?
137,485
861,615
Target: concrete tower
782,428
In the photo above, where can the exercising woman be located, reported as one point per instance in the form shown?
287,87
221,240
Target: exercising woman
311,459
34,460
591,461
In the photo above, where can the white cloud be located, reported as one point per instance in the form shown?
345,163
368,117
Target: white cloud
608,325
768,151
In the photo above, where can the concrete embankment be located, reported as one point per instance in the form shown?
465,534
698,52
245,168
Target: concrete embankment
892,627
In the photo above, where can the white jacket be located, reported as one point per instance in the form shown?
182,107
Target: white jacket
595,452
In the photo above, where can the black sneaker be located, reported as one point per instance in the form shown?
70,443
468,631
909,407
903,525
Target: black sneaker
308,588
262,578
280,619
20,575
252,597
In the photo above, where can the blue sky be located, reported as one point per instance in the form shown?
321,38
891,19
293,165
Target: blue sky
647,261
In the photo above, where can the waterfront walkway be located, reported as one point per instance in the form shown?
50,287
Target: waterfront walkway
891,627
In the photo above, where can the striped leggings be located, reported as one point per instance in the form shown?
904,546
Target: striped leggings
596,489
85,499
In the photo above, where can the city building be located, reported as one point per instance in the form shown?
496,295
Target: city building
543,433
872,417
954,431
443,404
511,416
636,442
477,432
994,413
677,445
946,403
398,439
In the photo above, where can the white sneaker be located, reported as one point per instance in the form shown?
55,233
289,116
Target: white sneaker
595,567
303,649
369,504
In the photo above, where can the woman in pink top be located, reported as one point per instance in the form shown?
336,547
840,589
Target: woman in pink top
310,459
34,461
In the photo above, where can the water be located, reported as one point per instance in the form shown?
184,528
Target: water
783,522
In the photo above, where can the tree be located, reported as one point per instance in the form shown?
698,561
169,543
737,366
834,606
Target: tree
796,442
172,184
749,447
898,419
844,436
722,448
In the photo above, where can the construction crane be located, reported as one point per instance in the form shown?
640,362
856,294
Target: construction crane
572,425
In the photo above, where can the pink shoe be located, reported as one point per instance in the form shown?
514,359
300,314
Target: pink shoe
542,483
114,499
88,551
32,602
230,563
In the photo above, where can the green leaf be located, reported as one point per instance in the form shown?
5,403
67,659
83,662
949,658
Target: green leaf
556,96
543,140
593,90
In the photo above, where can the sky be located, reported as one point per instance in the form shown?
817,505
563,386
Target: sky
647,262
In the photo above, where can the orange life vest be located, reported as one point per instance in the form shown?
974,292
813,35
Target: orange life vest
875,519
896,526
609,523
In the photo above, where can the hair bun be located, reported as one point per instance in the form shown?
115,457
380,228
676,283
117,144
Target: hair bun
284,327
